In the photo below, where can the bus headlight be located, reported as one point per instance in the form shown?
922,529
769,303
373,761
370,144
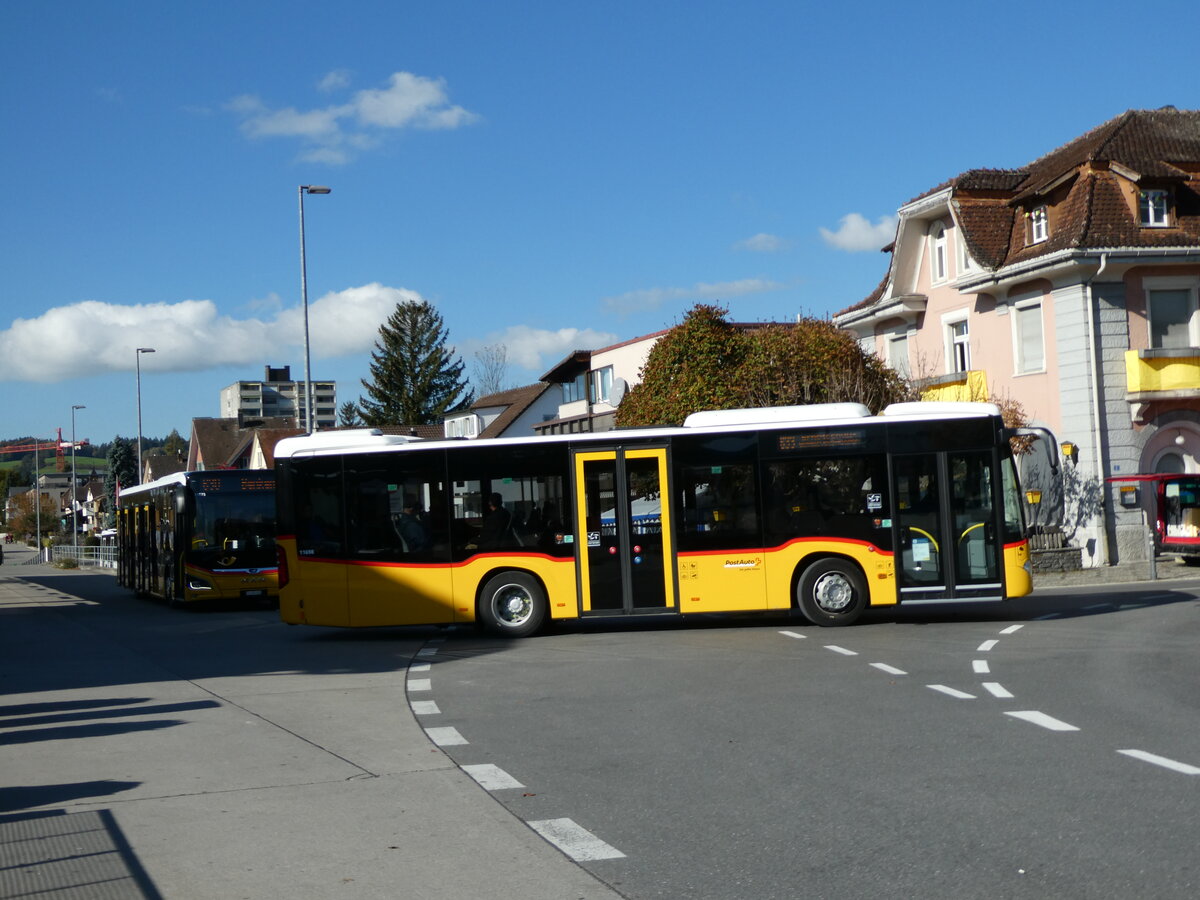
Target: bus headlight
198,584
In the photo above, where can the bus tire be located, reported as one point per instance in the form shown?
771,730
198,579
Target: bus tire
512,604
831,591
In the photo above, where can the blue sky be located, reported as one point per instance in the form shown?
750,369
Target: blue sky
551,176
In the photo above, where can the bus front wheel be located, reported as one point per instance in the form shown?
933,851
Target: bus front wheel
512,604
831,592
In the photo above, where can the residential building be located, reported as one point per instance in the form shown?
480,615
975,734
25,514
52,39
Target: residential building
1070,285
592,383
278,396
230,443
515,412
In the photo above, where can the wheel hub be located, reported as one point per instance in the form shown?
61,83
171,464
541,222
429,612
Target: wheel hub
833,592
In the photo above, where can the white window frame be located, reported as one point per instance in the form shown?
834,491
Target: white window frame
965,263
1039,225
897,353
1154,208
952,341
602,380
1191,284
1023,305
939,265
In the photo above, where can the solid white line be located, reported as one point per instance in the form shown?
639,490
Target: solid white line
1011,628
420,684
492,778
1162,761
891,670
952,692
419,667
793,634
996,690
446,737
986,646
578,843
1040,718
980,666
425,708
842,650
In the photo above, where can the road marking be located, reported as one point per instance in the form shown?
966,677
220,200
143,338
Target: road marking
951,692
446,737
793,634
1047,616
427,651
891,670
996,690
575,841
980,666
492,778
986,646
1133,605
420,684
1097,606
1162,761
419,667
1040,718
842,650
1011,629
425,708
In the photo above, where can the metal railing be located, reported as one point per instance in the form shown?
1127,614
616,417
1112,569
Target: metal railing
101,556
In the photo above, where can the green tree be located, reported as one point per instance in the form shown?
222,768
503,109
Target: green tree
122,468
694,366
706,362
175,446
415,379
349,415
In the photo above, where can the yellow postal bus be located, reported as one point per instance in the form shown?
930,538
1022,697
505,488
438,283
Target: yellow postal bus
823,509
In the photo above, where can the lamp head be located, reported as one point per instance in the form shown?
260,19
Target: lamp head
315,189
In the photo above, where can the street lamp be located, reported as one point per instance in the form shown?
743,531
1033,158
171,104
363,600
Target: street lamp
138,357
37,494
74,499
308,401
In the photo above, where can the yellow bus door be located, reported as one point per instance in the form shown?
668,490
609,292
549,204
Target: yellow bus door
624,549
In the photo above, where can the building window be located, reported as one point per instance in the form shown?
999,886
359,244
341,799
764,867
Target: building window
965,263
958,346
1039,225
1154,208
1028,336
575,390
1171,317
897,354
602,385
937,253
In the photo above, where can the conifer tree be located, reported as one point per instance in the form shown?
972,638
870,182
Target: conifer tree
415,379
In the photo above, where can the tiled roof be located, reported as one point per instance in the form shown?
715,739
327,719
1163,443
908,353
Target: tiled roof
517,401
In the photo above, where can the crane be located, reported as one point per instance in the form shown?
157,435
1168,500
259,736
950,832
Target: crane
36,446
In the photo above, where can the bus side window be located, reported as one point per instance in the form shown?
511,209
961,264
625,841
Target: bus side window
319,518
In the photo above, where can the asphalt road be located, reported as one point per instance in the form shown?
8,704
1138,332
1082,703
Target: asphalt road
1045,749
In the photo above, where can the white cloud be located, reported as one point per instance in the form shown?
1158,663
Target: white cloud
537,349
762,243
92,337
652,298
855,234
333,133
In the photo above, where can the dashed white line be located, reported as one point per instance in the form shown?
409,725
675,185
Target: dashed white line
793,634
986,646
492,778
420,684
425,708
1040,718
427,651
891,670
1011,629
419,667
996,690
951,692
842,650
446,737
575,841
1097,606
1162,761
980,666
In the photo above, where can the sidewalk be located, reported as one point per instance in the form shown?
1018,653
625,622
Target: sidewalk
153,752
1165,568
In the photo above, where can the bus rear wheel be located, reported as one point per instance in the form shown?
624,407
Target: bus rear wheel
512,604
831,592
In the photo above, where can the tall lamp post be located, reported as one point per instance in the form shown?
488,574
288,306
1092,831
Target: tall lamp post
308,401
74,499
138,357
37,496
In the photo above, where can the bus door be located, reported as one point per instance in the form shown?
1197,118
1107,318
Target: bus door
947,531
624,553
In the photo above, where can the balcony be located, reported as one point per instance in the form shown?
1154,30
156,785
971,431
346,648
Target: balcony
1162,374
959,387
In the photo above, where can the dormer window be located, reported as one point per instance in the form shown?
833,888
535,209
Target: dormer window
937,253
1039,225
1154,208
